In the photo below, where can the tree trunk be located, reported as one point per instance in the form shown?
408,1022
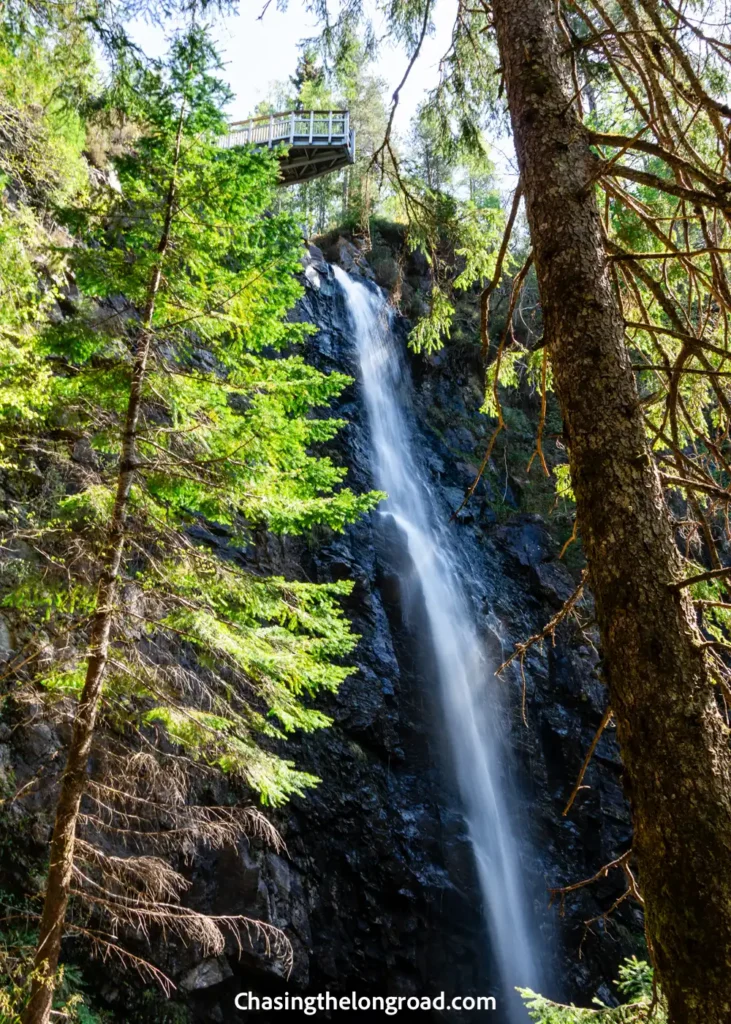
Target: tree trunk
673,740
73,782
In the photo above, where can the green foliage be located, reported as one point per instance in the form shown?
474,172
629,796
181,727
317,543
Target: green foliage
429,333
635,983
309,82
507,374
712,596
16,970
46,72
21,305
445,194
226,437
564,488
478,231
46,76
635,979
155,1007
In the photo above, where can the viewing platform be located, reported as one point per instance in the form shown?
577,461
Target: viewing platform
319,141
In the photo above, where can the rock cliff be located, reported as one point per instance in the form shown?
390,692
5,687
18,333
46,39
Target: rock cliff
379,892
377,889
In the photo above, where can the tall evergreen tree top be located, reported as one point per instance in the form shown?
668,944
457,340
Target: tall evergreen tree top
225,438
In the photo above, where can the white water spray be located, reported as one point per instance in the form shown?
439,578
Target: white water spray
468,690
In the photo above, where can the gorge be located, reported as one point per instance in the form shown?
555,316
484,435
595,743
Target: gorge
439,810
360,505
381,891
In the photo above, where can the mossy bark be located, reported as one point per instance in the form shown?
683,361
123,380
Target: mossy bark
673,739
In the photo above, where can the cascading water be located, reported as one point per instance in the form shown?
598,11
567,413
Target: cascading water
469,696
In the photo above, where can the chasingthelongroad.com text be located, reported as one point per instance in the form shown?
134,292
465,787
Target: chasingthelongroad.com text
310,1005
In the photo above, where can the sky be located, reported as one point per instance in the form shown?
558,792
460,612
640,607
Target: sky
260,51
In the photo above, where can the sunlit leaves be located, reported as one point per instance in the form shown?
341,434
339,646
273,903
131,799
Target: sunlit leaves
634,983
229,436
430,331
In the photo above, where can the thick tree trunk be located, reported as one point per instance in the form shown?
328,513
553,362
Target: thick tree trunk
73,782
674,742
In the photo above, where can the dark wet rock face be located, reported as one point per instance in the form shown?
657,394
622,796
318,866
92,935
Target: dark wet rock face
378,892
377,889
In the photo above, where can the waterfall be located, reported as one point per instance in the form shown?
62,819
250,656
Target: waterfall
469,692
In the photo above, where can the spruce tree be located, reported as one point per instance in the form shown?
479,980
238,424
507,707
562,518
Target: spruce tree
172,406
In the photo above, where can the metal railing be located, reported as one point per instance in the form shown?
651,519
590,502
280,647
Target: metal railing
293,128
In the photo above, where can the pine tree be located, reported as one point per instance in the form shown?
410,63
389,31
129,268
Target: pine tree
661,677
172,404
308,80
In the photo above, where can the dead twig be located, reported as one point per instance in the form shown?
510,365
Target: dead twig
590,753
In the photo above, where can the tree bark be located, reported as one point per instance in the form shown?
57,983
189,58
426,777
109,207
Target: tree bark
73,782
673,739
